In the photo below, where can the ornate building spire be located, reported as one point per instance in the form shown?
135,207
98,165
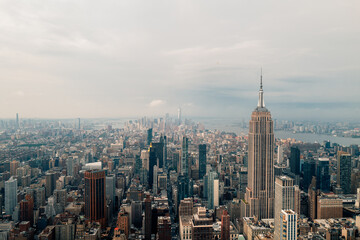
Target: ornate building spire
261,103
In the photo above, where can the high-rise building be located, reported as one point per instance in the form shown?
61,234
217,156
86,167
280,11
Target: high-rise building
144,156
155,180
183,187
95,196
60,200
202,225
159,152
344,172
295,160
184,166
280,154
26,209
186,207
148,216
212,189
179,116
149,136
288,225
259,197
50,183
287,196
10,195
313,194
123,222
225,225
202,160
323,175
152,163
70,166
136,213
110,189
14,165
17,121
164,228
309,168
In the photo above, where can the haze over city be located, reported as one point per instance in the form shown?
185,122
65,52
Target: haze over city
91,59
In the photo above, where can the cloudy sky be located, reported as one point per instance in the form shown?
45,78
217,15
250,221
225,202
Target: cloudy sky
84,58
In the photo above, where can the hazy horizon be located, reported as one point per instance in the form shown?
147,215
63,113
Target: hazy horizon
90,59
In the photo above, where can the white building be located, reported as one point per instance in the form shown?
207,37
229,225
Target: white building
288,225
10,195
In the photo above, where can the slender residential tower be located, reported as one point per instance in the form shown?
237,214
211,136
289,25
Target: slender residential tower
259,197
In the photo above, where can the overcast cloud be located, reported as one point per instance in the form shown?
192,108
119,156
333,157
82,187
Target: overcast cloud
67,59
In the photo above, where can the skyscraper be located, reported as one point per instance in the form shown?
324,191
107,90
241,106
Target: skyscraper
286,195
159,151
17,121
182,187
70,166
288,225
202,160
225,225
148,217
179,116
50,183
184,166
149,136
295,160
26,209
259,197
164,228
95,195
110,189
152,163
212,189
10,195
344,172
309,168
323,175
280,154
13,166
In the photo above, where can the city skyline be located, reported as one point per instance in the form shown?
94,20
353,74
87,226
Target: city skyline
127,120
125,62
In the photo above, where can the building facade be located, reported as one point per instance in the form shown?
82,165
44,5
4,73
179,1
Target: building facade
259,197
95,196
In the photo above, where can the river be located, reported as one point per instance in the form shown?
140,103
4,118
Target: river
235,126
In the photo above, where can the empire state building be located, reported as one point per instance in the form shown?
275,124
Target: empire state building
259,196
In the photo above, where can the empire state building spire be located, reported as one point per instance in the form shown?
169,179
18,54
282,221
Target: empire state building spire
261,103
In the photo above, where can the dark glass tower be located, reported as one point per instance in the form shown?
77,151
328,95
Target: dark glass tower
184,157
95,195
152,163
148,216
159,152
309,168
322,175
149,136
202,160
344,172
295,160
183,187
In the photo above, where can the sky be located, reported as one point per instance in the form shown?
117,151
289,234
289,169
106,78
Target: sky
114,59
